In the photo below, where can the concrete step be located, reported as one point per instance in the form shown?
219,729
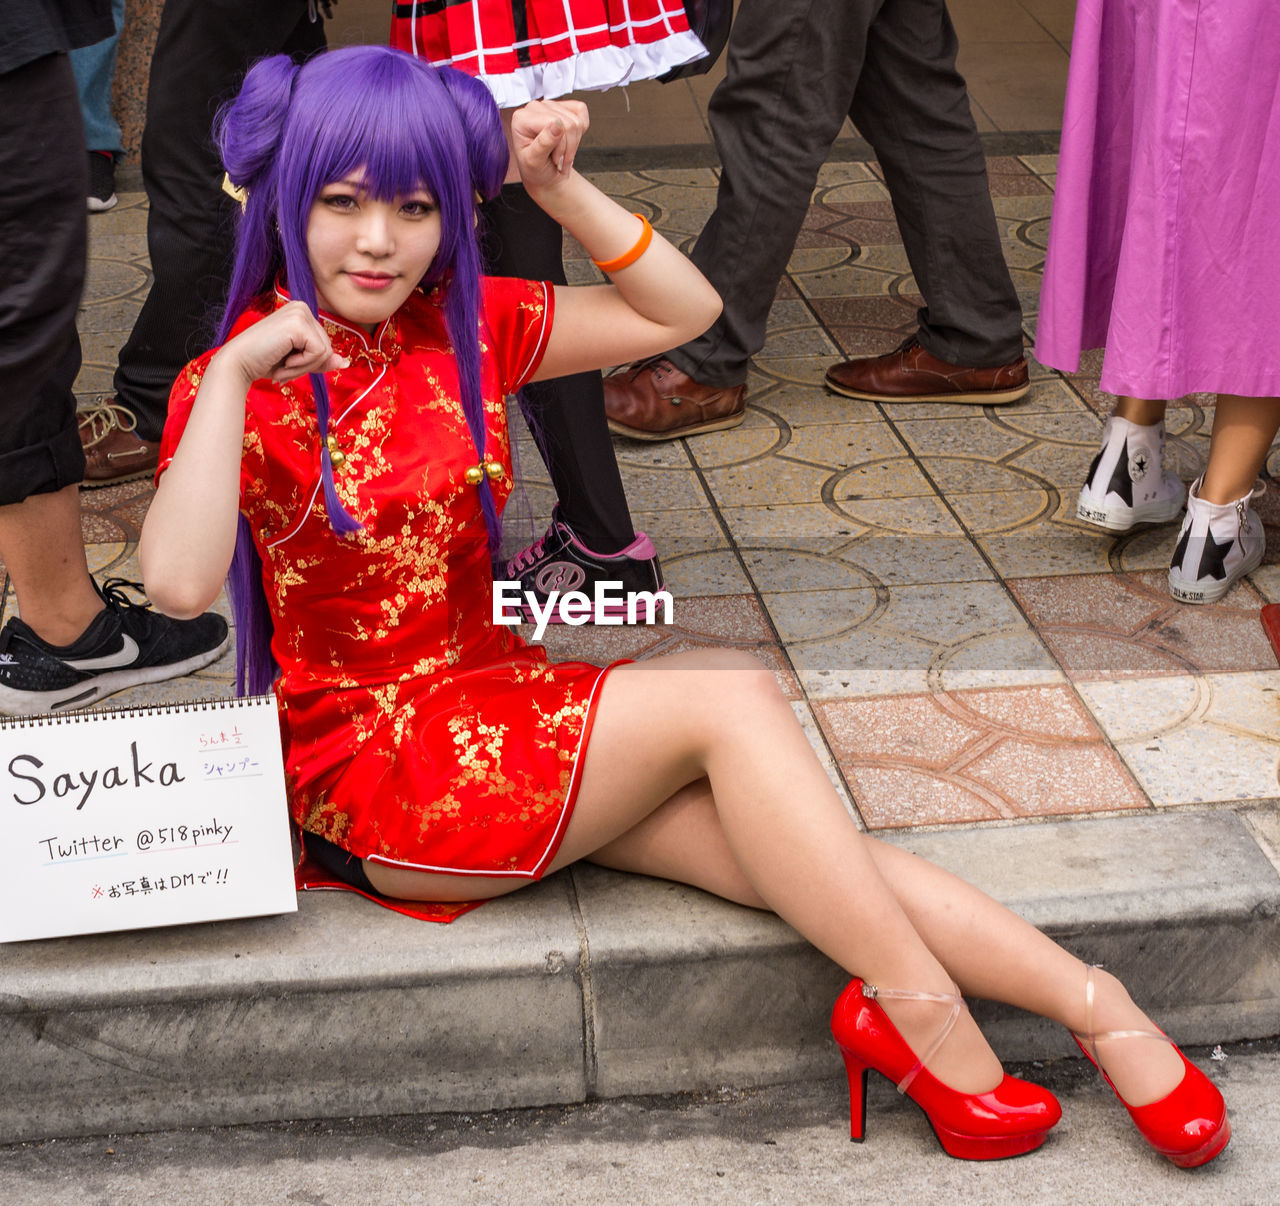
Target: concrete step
593,984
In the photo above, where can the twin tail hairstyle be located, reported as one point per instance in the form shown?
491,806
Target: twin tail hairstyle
404,125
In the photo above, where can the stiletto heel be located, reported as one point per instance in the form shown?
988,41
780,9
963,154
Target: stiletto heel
1012,1118
856,1071
1189,1126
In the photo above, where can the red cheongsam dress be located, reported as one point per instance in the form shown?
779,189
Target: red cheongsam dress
417,732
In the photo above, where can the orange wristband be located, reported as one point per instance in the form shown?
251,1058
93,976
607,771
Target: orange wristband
627,258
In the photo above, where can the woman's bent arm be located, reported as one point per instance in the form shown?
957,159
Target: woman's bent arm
654,303
190,531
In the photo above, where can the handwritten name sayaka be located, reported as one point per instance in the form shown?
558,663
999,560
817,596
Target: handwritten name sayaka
36,784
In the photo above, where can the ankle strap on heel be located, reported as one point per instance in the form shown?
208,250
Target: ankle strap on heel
1089,1040
954,999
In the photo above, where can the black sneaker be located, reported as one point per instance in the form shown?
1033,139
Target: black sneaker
102,181
127,644
561,562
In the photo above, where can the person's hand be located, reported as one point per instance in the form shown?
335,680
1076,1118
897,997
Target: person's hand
544,139
287,344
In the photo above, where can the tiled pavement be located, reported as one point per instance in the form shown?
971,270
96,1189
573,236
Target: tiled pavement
961,647
967,658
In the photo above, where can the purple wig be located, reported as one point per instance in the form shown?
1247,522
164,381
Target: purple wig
403,125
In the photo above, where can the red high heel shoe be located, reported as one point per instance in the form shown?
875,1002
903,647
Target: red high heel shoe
1190,1126
1008,1120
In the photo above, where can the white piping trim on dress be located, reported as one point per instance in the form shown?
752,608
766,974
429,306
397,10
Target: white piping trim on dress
540,347
333,422
553,843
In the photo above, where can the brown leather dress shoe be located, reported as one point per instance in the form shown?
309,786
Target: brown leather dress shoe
653,400
112,452
910,374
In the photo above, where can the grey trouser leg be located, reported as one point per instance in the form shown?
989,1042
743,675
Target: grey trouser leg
912,106
795,70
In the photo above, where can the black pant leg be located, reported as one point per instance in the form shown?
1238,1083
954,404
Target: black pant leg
565,414
912,106
42,245
203,49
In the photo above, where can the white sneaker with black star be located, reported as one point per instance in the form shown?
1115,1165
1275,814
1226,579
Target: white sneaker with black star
1219,543
1127,483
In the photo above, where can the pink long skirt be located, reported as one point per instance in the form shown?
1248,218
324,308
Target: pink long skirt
1165,240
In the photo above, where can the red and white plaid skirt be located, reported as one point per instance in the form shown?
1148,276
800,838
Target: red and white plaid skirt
538,49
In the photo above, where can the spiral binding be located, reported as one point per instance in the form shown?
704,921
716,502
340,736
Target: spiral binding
50,719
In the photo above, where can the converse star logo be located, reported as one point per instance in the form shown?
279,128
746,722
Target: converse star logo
1213,556
1121,484
1138,466
1213,559
126,655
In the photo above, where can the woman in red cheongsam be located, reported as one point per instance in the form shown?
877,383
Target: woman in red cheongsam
345,446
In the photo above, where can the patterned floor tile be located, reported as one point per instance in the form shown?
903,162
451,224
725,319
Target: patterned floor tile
871,538
911,515
807,524
806,371
799,406
1111,626
780,563
758,436
734,622
1195,740
974,756
768,482
922,637
1043,548
779,559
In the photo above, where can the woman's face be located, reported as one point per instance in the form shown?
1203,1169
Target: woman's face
367,255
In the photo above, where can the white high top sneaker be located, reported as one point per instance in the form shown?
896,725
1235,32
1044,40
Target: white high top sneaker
1219,543
1127,483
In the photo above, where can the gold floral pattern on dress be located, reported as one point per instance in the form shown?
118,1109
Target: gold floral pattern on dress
417,730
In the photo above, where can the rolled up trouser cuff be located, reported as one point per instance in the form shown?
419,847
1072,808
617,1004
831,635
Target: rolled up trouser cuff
41,468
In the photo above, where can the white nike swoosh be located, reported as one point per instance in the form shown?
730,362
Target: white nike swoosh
126,657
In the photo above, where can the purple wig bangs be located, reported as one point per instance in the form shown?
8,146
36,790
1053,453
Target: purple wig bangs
293,130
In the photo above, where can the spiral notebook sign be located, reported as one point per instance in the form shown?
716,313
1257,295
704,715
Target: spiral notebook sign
146,817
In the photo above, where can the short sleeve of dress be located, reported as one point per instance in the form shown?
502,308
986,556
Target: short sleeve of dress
182,399
518,315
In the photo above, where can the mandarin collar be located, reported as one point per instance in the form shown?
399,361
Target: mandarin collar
381,348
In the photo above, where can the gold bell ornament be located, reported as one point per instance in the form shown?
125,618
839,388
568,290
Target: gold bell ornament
477,473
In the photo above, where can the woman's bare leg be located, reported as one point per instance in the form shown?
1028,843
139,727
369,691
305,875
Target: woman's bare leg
1243,429
663,725
1142,411
697,771
989,951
